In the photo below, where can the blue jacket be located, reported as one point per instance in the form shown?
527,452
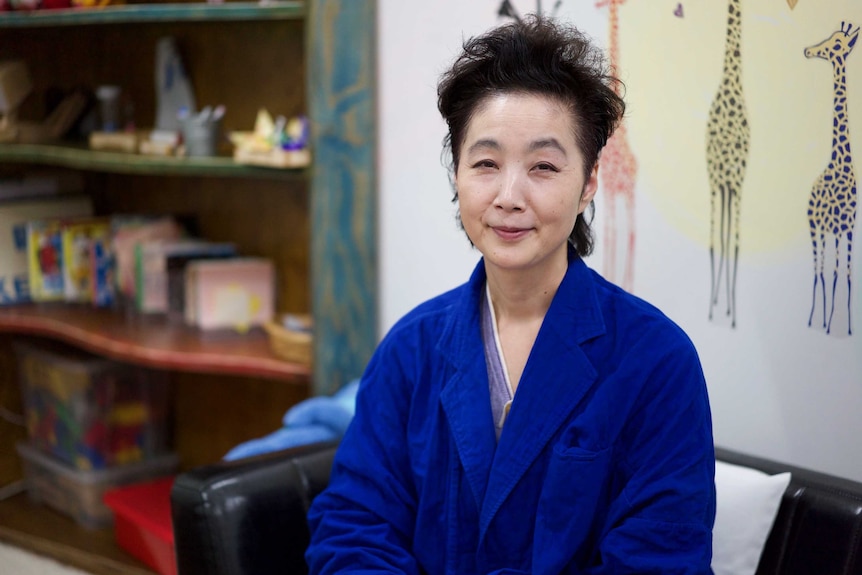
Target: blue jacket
605,463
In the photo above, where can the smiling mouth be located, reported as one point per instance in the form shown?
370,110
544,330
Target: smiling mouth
510,233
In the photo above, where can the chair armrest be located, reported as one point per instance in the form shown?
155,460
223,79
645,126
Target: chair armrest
248,516
819,524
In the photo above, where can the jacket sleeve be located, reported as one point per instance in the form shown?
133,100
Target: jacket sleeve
662,520
363,522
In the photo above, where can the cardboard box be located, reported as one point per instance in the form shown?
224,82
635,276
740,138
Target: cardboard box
14,215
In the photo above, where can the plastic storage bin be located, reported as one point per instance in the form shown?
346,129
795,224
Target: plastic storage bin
79,494
142,522
92,412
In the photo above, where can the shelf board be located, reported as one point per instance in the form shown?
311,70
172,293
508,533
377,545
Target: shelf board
40,530
151,341
142,13
83,158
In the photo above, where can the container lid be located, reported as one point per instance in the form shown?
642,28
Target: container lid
67,358
146,504
121,474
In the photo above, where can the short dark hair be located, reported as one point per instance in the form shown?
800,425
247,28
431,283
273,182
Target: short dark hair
535,55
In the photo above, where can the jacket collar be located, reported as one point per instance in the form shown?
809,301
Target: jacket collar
574,317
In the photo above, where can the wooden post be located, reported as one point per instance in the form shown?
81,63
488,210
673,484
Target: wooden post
341,46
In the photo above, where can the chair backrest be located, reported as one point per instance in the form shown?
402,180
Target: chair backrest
249,516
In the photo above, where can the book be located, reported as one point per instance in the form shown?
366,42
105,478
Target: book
41,182
14,256
77,238
45,253
126,232
235,294
102,271
160,267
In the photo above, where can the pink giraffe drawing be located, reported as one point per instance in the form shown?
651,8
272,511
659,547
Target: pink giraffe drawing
832,204
617,177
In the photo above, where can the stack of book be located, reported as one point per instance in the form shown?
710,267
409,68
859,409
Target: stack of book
54,249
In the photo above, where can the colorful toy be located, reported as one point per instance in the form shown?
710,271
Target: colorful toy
90,412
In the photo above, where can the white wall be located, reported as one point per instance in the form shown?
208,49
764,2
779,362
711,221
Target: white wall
778,388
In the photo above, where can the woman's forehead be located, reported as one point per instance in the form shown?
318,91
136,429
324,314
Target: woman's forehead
536,118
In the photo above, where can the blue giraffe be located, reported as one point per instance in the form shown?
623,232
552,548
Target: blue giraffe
832,205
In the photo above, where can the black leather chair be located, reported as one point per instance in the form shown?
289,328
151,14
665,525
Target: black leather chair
818,530
249,517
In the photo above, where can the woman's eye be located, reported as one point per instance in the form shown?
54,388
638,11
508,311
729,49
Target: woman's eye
484,164
543,167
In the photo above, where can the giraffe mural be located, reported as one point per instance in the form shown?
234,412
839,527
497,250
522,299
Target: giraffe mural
618,174
727,143
506,10
832,204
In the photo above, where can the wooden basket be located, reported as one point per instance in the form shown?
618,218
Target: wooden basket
289,344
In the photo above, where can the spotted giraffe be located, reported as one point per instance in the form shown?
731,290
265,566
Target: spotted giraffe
832,204
727,142
618,174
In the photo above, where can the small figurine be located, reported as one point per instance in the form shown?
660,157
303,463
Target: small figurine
281,143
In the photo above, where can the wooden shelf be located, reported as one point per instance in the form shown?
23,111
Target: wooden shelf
42,531
152,342
83,158
167,12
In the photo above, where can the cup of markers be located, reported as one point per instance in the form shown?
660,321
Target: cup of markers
201,131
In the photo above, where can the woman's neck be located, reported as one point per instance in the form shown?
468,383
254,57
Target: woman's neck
520,300
524,295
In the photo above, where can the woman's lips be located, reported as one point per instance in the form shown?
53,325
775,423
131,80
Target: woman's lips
510,234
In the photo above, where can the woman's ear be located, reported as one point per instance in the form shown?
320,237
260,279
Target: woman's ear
591,186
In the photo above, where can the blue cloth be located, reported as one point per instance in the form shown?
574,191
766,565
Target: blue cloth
313,420
605,464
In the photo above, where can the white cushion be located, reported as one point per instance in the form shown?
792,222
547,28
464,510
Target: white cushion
747,502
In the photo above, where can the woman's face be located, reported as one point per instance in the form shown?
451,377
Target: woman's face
520,182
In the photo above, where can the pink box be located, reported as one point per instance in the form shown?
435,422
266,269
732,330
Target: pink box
233,294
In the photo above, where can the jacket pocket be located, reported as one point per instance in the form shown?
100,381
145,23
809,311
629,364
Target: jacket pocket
575,454
572,507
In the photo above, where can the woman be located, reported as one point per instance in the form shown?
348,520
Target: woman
536,419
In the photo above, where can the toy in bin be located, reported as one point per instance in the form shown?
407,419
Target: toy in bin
142,522
79,494
91,412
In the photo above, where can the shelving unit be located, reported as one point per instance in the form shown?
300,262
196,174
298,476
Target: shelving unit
148,13
318,224
152,342
80,157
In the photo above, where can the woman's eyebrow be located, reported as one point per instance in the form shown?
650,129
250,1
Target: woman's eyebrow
547,143
543,143
484,143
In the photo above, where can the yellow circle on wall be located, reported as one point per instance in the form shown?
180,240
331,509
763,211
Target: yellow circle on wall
672,66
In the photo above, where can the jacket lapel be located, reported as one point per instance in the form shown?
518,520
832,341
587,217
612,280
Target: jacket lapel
557,376
465,398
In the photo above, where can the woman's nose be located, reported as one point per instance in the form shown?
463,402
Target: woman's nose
510,196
